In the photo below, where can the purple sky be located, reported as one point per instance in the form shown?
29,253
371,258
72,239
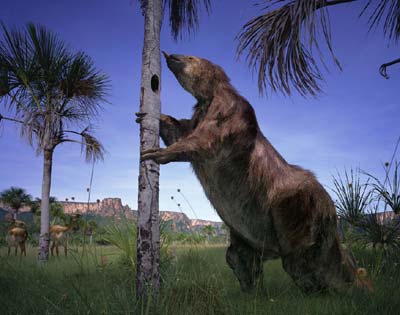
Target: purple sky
355,123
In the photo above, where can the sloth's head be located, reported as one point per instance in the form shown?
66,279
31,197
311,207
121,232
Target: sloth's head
198,76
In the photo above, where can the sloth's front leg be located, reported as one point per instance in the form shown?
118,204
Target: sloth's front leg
184,150
171,129
164,156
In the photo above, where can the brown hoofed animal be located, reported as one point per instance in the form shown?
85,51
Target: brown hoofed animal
272,208
59,234
17,223
17,235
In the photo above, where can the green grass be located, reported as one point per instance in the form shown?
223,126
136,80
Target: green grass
198,282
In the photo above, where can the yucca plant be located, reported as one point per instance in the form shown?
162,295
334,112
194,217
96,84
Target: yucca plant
353,197
381,234
388,191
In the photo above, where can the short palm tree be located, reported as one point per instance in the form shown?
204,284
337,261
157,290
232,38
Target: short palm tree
54,94
15,198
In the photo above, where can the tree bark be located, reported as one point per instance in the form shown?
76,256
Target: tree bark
44,238
148,242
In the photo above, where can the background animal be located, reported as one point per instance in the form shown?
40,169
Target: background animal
17,223
272,208
59,234
17,235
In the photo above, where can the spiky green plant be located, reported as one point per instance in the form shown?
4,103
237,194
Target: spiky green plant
123,234
381,234
388,191
353,197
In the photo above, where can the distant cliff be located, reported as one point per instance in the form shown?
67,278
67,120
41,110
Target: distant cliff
179,222
107,207
113,207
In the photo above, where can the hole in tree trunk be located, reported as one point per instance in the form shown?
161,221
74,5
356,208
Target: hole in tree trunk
155,83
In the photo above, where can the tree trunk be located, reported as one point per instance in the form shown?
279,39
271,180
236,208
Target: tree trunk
148,242
44,239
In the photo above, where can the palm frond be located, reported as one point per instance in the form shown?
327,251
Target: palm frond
17,67
278,45
83,82
386,12
4,82
51,57
184,15
94,150
31,129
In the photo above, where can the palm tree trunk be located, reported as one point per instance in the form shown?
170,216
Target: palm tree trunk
44,239
148,242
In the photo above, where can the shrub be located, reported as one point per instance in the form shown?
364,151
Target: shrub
353,197
123,234
388,191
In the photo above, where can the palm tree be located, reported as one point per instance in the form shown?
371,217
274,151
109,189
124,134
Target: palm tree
279,42
54,94
56,209
15,198
209,231
183,17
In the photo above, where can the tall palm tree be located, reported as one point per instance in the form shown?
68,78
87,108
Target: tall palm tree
15,198
278,44
54,94
183,17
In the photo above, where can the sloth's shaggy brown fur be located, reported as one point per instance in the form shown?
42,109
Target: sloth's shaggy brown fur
272,208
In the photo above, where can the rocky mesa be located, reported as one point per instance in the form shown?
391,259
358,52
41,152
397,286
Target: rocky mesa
113,207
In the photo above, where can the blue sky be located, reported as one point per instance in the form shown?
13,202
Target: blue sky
354,123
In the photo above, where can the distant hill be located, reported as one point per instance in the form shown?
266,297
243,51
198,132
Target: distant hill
113,207
103,210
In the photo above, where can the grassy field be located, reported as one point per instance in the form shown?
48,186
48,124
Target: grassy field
197,282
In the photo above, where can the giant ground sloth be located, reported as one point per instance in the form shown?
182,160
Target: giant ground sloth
272,208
